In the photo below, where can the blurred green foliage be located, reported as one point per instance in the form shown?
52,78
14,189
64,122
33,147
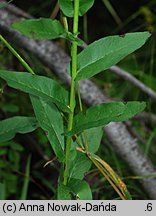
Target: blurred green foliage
99,22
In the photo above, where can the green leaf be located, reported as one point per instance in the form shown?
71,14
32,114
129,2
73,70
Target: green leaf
2,191
19,124
12,145
67,6
80,189
85,5
94,136
41,86
104,53
103,114
75,190
51,122
8,107
44,28
79,166
3,152
63,192
16,146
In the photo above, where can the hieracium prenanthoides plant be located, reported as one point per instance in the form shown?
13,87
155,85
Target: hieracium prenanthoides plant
76,139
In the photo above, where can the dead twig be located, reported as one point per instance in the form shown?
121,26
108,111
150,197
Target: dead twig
130,78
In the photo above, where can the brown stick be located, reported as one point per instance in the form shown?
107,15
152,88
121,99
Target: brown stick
146,117
130,78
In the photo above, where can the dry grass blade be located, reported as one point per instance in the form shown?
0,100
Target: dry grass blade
111,176
100,168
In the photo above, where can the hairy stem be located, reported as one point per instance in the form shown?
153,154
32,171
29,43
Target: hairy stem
72,90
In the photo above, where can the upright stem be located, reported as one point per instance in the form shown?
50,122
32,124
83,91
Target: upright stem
72,90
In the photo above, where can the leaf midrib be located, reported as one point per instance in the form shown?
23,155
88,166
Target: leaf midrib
33,88
93,62
50,123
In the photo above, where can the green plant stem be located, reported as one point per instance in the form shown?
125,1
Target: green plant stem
65,23
72,90
79,97
23,62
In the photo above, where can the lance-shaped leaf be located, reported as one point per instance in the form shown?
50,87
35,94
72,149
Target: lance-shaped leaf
104,53
67,6
103,114
18,124
44,28
51,122
39,86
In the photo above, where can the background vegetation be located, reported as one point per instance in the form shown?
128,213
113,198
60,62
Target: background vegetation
28,154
